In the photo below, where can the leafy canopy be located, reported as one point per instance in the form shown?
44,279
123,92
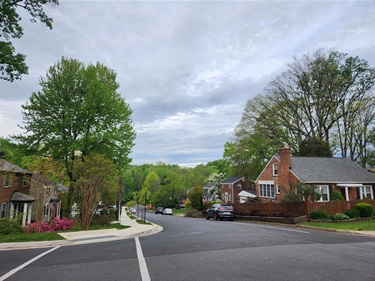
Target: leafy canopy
12,64
78,113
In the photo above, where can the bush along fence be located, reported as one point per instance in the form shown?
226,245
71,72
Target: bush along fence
293,213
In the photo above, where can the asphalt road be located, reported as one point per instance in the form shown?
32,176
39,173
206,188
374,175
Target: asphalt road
196,249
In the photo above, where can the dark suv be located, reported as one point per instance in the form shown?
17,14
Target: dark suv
220,211
159,210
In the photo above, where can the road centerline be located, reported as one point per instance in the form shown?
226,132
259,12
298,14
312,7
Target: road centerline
141,260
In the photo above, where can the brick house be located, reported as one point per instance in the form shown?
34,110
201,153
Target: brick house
14,192
325,173
230,189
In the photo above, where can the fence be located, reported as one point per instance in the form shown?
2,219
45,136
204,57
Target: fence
301,209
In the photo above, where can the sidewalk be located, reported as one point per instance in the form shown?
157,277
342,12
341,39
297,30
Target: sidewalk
92,236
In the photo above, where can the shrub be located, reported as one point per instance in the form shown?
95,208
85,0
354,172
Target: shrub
8,226
336,195
193,213
318,215
353,213
53,225
101,220
62,224
364,209
255,199
340,216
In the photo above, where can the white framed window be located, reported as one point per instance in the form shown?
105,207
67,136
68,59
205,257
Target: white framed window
7,181
275,169
267,189
366,192
323,192
230,186
239,186
278,189
230,198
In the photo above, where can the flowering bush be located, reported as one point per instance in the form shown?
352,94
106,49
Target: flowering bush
62,224
53,225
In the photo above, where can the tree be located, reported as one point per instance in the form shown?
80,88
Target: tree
216,179
95,176
13,65
13,152
314,148
196,198
298,193
327,97
78,113
152,182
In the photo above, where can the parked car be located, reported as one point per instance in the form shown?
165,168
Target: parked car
220,211
167,211
133,210
159,210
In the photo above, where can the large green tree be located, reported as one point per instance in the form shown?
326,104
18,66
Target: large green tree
78,113
327,97
12,64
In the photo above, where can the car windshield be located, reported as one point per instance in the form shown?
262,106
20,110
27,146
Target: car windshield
227,207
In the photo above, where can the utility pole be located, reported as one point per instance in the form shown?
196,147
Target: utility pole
144,216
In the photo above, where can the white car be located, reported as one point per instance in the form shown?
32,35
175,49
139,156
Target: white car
167,211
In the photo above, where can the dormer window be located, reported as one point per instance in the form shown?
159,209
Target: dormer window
275,168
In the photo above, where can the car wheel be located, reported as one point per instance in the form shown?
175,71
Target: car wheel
221,219
207,217
216,217
231,219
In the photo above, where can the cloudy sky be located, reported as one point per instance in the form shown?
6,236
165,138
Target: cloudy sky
186,68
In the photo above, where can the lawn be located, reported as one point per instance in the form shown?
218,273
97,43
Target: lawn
179,212
48,236
362,226
30,237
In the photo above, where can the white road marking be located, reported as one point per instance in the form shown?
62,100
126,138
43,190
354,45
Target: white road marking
275,227
142,262
287,229
10,273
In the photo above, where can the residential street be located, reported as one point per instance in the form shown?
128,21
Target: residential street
197,249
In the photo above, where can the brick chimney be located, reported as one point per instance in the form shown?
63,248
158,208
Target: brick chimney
284,166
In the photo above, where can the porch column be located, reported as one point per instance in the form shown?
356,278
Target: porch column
346,193
24,214
11,210
29,213
58,210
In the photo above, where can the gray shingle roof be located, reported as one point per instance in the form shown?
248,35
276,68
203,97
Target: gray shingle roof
230,180
209,185
330,170
6,166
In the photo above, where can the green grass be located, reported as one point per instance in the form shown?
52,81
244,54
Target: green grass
179,212
362,226
30,237
143,222
113,225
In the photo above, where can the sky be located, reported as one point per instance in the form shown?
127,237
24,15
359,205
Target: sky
186,68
